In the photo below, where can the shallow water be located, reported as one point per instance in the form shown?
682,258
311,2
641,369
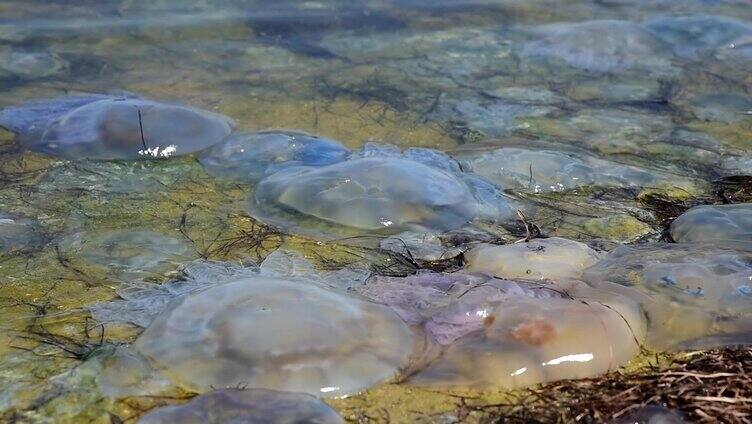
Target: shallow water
599,121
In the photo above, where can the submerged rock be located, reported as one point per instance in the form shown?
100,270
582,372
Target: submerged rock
30,65
19,233
721,107
511,333
721,225
252,406
114,127
376,193
250,157
687,291
552,171
552,258
275,333
696,36
600,46
130,254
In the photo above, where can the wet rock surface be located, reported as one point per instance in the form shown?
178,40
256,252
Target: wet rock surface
447,173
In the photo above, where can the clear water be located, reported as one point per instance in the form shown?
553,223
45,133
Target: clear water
612,112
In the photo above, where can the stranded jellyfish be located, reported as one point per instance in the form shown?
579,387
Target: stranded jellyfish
550,171
375,193
277,333
114,127
721,225
689,292
511,333
252,406
552,258
18,233
130,254
250,157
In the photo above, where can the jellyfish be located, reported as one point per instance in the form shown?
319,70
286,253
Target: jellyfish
542,171
491,332
552,258
720,225
105,127
258,406
279,334
375,194
689,292
128,254
249,157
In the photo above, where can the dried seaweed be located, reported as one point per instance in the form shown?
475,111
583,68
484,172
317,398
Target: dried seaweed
704,386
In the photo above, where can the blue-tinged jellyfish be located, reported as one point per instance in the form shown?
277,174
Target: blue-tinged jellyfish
249,157
111,127
377,191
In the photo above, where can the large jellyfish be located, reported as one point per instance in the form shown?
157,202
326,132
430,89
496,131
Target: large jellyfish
376,193
511,333
690,293
114,127
279,334
251,406
129,254
552,258
552,171
721,225
250,157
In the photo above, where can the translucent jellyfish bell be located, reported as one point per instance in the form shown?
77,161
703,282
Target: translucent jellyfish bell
250,157
721,225
551,258
529,340
689,292
552,171
511,333
246,406
275,333
114,127
373,195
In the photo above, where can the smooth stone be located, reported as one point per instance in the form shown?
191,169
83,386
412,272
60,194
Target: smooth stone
721,225
539,259
31,65
600,46
251,406
698,36
107,127
721,107
688,291
249,157
277,333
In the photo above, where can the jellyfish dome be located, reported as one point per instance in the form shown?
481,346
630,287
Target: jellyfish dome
249,157
279,334
109,127
373,195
